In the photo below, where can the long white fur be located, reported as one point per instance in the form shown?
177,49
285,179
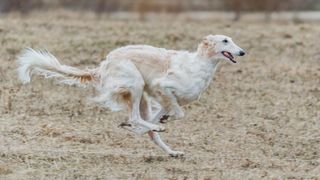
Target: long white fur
45,64
147,81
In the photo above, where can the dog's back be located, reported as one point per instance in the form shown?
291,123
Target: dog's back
152,62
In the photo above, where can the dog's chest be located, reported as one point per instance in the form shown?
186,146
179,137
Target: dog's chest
193,79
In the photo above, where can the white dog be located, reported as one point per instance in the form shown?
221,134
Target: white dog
151,83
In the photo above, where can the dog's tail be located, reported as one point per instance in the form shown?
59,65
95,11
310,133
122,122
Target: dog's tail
44,63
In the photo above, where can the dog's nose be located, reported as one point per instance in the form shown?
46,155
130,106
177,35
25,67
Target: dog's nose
242,53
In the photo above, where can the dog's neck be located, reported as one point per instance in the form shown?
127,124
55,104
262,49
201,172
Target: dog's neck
210,65
207,55
212,61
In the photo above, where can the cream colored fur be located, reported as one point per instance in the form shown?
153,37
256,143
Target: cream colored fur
147,81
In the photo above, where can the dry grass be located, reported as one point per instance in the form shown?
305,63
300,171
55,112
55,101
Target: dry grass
258,119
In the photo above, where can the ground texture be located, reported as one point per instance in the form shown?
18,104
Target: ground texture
258,119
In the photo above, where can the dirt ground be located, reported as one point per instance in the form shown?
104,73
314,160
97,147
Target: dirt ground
259,119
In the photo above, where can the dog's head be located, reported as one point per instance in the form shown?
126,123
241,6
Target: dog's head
219,47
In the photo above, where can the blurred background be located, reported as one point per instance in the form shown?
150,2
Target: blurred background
144,7
259,119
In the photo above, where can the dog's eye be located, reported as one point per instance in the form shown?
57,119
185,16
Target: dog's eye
225,41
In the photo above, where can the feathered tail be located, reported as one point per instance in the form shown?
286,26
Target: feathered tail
44,63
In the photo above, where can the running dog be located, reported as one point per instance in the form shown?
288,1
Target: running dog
150,83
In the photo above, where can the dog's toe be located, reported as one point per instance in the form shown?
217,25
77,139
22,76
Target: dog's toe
160,129
164,118
176,154
125,125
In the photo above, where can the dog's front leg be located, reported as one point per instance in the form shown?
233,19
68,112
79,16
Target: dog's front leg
155,137
170,103
168,100
153,119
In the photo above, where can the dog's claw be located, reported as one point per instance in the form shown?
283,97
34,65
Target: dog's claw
159,129
176,154
164,118
124,125
163,121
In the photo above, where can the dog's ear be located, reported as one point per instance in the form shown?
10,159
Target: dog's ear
204,48
205,42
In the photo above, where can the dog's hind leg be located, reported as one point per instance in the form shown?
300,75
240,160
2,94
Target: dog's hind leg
146,112
155,137
135,116
123,86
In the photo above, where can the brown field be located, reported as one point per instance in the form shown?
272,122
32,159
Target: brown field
259,119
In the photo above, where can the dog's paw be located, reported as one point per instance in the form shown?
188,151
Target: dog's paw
159,128
178,114
164,118
122,125
176,154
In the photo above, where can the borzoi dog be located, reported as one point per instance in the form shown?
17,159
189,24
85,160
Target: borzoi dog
150,83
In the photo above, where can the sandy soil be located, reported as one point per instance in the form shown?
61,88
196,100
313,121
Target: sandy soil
259,119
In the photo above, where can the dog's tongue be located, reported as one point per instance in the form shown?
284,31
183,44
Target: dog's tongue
229,56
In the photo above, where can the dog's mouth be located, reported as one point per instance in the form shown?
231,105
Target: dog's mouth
229,56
